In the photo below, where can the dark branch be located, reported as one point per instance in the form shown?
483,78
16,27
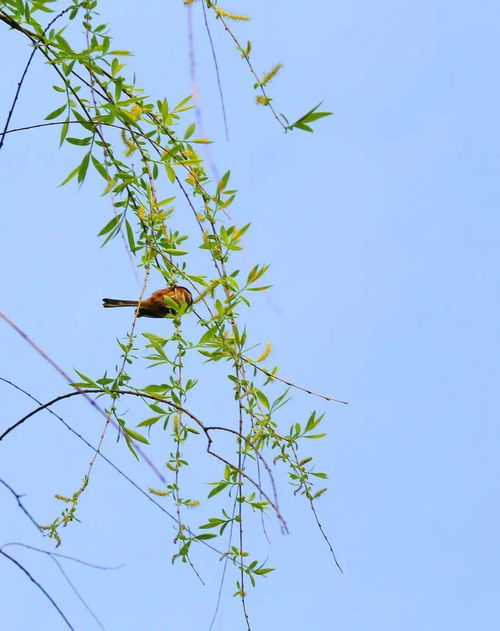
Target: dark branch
93,403
177,407
324,535
44,591
219,83
20,504
14,25
111,464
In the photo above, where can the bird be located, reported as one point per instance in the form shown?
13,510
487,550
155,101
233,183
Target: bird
156,306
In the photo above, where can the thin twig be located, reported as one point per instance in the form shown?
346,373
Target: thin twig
42,589
166,402
62,556
110,463
313,508
249,63
90,400
20,504
23,76
53,555
76,592
289,383
219,83
93,91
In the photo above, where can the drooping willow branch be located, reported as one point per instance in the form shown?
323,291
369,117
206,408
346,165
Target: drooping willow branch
246,57
92,402
26,68
108,461
151,133
135,131
206,430
54,556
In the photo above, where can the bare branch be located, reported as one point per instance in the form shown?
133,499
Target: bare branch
219,83
20,504
313,508
289,383
42,589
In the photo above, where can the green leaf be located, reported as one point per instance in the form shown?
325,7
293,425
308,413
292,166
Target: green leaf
129,445
136,436
217,489
149,421
264,570
157,389
263,288
82,169
87,380
213,522
100,168
170,173
190,131
63,44
311,116
130,236
262,398
64,131
223,181
208,335
153,338
319,493
110,225
168,200
80,141
174,252
115,66
312,422
104,381
56,113
157,409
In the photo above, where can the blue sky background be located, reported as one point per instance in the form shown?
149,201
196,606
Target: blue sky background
389,213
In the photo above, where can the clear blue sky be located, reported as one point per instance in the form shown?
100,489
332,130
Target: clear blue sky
389,212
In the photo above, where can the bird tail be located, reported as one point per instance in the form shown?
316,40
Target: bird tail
112,302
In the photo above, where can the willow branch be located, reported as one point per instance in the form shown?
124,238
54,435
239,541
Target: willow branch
93,403
42,589
177,407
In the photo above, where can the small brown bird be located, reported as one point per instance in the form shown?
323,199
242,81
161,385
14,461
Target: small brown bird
156,306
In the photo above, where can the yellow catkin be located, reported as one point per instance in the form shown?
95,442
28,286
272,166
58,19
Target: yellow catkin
246,52
262,100
156,492
229,16
130,146
62,498
265,353
137,111
272,73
